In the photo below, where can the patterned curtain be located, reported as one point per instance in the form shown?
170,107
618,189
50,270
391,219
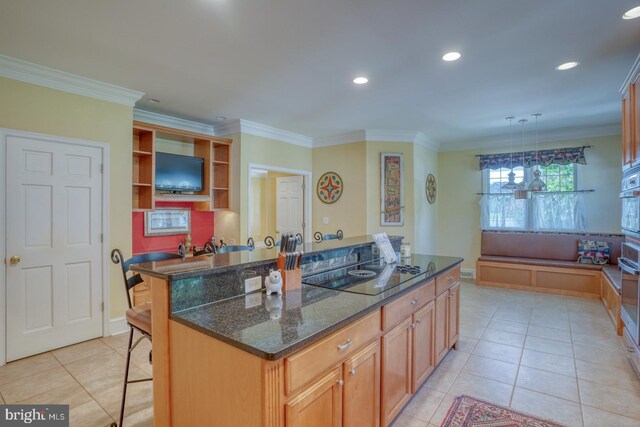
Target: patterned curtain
559,156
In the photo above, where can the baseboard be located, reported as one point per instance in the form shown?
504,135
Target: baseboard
117,326
468,273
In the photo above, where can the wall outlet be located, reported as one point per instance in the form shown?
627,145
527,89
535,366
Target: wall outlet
252,284
325,220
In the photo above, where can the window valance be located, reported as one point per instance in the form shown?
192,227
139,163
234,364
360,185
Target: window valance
558,156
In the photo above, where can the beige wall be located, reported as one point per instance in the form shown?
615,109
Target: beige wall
37,109
459,180
264,191
373,208
349,212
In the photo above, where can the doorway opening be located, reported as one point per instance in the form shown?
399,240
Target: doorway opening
278,203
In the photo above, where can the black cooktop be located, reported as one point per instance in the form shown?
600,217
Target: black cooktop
370,278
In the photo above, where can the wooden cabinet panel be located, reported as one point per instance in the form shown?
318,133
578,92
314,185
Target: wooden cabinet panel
634,118
319,405
628,150
441,319
396,370
398,310
307,364
361,406
423,354
447,279
454,314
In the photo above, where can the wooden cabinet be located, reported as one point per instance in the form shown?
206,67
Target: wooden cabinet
423,356
631,117
453,326
612,301
396,370
441,337
217,166
361,404
319,405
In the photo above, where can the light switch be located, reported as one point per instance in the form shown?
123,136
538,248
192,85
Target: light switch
325,220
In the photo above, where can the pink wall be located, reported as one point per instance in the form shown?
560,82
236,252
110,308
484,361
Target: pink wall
201,231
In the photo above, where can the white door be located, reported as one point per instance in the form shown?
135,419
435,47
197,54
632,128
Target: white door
53,224
290,205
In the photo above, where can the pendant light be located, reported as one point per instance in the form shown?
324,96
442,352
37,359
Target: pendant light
511,184
522,191
537,185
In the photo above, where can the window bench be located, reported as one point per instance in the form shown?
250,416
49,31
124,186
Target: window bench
543,262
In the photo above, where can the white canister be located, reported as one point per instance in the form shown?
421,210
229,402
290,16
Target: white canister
405,250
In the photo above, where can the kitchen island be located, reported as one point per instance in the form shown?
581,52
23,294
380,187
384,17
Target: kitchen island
319,355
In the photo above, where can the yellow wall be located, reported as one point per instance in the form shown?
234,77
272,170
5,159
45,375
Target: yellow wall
425,240
373,207
460,180
349,212
37,109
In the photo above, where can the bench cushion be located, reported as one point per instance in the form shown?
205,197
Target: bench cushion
541,262
543,246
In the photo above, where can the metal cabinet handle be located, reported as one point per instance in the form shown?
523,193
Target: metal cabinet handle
340,382
413,326
453,293
419,321
450,278
415,300
631,349
345,346
353,371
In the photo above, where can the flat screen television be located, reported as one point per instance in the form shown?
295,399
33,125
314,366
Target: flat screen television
177,174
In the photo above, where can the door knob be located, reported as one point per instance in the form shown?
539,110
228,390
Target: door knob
14,260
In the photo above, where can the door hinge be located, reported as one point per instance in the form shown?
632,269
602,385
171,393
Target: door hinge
102,307
303,186
101,238
101,168
303,224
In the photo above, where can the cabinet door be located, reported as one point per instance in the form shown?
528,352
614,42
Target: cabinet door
634,116
628,149
319,405
423,354
361,406
396,370
454,314
441,337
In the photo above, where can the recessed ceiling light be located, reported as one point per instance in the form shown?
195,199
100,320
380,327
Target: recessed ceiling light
360,80
153,100
451,56
567,65
632,13
221,118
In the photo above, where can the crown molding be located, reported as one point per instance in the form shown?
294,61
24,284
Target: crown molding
556,135
417,138
172,122
631,77
28,72
256,129
340,139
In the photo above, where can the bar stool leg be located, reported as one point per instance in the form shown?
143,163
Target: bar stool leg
126,377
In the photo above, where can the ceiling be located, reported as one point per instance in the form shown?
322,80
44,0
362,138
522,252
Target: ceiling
289,64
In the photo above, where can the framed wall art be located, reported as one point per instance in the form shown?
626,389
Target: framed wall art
329,187
162,222
392,189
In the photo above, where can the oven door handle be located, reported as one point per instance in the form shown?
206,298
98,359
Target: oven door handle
626,267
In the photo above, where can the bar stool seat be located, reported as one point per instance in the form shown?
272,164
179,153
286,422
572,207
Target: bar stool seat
140,317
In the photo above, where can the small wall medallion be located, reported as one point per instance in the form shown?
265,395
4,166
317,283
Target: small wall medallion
430,189
329,187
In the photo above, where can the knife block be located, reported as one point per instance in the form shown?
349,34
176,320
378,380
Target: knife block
291,279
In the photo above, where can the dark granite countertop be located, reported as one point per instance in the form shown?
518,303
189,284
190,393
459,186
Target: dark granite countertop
206,264
274,327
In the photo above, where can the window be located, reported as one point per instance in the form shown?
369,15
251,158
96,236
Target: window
557,209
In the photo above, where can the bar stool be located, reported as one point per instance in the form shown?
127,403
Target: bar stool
138,318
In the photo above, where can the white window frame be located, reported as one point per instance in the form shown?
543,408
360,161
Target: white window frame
528,176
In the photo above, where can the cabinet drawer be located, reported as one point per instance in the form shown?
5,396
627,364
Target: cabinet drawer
446,279
398,310
318,358
632,349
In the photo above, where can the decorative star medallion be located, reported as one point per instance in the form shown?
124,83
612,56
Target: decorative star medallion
329,187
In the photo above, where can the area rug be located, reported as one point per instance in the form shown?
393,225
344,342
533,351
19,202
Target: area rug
469,412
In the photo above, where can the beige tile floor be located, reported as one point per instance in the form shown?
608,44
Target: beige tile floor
552,356
87,376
